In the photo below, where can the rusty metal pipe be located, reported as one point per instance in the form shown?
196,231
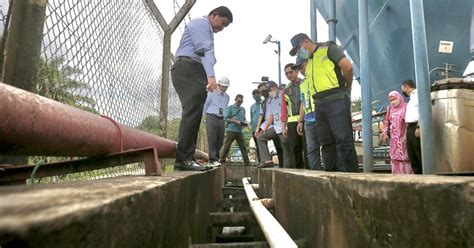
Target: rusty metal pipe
35,125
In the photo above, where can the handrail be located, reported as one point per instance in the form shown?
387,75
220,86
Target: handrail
274,233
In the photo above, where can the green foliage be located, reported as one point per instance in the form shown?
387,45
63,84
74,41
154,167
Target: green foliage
356,105
58,81
151,124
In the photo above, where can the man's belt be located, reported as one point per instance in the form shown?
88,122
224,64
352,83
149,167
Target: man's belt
187,59
215,116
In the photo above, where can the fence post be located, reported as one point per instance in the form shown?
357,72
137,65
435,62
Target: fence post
23,45
165,83
168,30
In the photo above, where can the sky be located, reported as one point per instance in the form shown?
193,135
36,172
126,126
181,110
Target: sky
240,52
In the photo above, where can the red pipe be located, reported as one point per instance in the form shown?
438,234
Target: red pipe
34,125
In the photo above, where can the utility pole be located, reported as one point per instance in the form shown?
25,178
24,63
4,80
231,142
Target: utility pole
22,51
23,45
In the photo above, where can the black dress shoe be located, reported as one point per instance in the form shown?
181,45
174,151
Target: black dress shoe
189,166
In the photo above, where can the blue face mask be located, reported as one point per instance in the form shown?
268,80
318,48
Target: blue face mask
303,53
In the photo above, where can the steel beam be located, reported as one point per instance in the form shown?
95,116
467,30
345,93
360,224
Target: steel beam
314,21
422,78
365,83
332,20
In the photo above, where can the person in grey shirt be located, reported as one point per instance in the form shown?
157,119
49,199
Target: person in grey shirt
215,105
192,71
272,128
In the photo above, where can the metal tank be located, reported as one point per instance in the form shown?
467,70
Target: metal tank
453,119
390,38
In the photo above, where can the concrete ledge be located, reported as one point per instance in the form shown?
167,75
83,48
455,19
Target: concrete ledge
167,211
372,210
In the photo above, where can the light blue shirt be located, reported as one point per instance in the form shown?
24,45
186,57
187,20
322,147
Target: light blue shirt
236,113
216,103
198,35
254,114
275,110
267,113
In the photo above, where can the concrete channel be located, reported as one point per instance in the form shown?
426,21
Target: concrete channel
199,209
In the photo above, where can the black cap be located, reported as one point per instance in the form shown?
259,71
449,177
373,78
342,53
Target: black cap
296,41
270,84
299,62
255,91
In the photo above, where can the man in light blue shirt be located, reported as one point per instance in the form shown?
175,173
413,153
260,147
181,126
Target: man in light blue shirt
254,114
192,71
235,118
214,107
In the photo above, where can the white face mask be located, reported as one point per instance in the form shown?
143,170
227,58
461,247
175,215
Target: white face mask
272,94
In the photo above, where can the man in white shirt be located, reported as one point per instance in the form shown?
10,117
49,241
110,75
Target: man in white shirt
413,130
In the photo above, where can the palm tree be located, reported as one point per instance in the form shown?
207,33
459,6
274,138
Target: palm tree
58,81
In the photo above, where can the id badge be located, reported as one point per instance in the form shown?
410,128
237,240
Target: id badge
307,103
221,111
277,117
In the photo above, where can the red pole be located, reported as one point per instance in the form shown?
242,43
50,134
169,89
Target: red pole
35,125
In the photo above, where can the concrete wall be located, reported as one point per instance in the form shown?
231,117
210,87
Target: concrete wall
362,210
167,211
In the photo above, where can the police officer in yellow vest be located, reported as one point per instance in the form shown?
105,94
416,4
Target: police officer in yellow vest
329,74
296,143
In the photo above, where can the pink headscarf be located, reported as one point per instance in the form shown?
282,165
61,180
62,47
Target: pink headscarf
402,106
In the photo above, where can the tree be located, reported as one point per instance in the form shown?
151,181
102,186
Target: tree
58,81
151,125
356,105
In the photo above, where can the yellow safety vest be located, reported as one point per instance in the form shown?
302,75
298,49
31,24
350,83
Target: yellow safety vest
291,117
320,71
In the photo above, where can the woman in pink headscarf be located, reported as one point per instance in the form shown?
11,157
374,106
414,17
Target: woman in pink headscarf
395,128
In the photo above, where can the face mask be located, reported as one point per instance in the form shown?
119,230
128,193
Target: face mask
256,98
394,103
272,94
303,53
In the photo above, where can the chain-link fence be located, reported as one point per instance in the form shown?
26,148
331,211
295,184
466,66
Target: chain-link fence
105,57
